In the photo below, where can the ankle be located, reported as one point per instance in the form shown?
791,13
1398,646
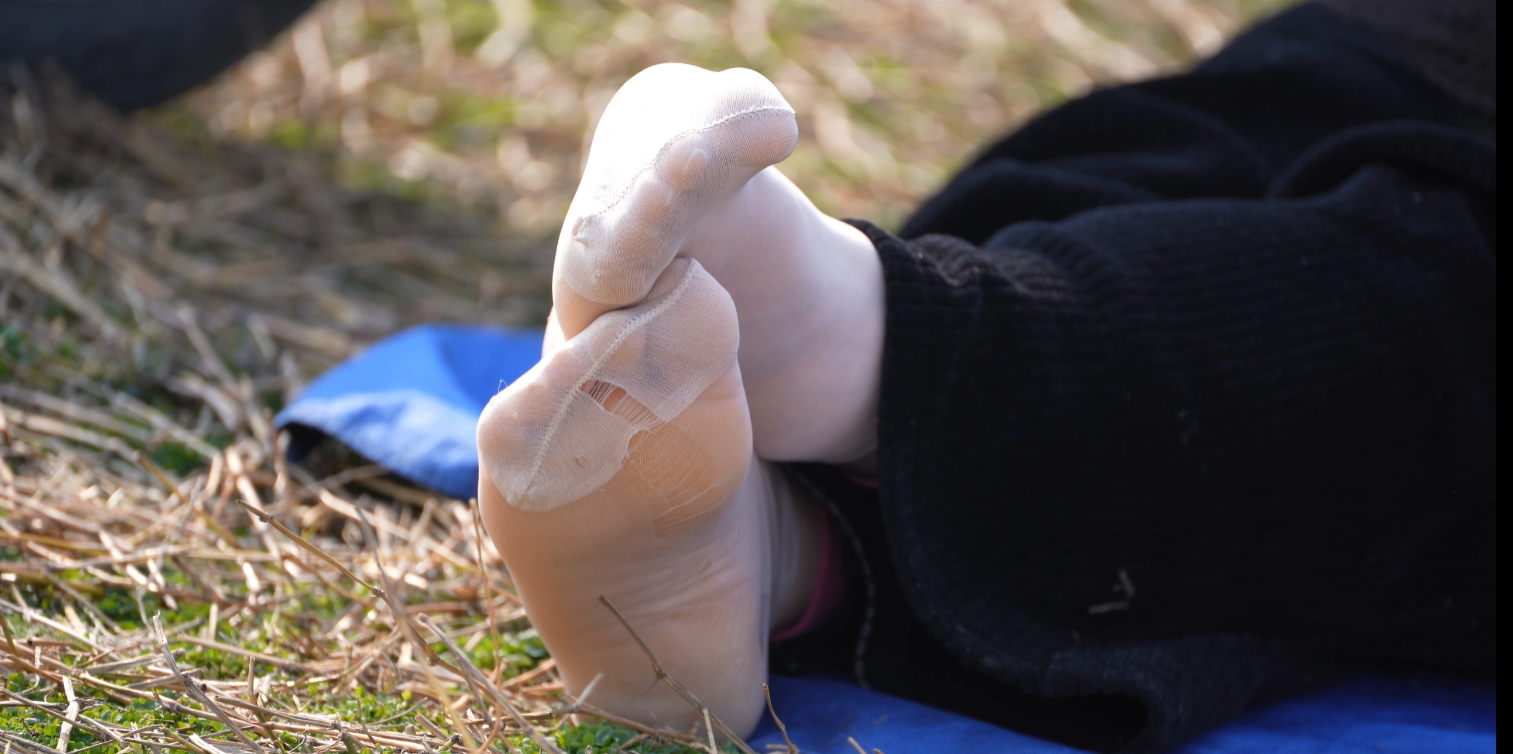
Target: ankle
808,568
795,528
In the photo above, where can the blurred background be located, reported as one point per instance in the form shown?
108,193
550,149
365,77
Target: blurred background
490,103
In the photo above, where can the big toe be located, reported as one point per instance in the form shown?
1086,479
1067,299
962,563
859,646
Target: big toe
674,142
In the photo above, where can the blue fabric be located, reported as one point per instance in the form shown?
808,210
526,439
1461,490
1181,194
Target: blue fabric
1370,714
411,403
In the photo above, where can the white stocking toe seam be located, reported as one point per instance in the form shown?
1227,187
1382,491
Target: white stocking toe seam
651,164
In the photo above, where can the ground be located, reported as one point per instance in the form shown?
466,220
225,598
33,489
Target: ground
169,280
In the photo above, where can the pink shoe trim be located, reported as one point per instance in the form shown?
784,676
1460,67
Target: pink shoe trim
829,585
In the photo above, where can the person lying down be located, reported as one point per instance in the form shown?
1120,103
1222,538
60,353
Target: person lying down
1162,399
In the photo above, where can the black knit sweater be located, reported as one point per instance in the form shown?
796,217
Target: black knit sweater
1189,391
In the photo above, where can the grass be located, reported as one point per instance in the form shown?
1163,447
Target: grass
169,281
487,102
160,303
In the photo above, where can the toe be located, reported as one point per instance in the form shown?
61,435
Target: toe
674,143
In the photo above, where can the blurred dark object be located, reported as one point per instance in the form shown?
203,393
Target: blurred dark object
1455,41
134,53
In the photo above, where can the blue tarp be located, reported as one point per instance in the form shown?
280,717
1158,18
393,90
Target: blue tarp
411,403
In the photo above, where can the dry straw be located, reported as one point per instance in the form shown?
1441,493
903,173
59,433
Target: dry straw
159,300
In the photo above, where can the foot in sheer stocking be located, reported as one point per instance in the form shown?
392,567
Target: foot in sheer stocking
680,167
622,466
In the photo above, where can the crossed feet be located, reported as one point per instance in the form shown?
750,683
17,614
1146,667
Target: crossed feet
708,320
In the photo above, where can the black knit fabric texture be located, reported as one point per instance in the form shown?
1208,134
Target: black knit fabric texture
1454,41
1189,390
